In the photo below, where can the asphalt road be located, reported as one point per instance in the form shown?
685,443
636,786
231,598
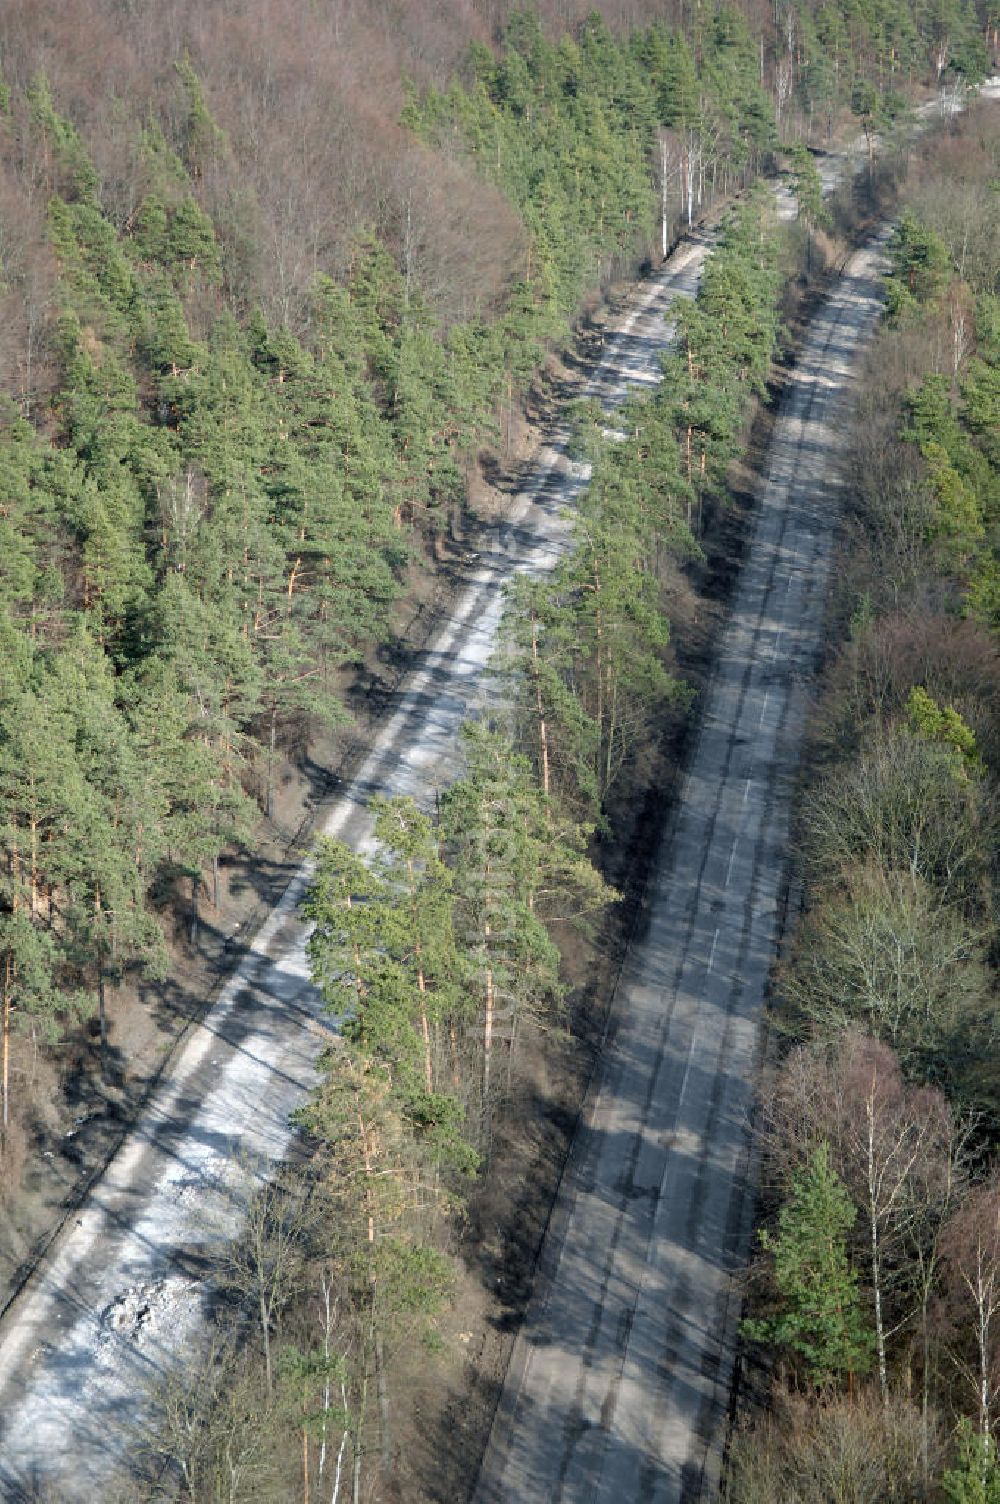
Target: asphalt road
116,1302
618,1385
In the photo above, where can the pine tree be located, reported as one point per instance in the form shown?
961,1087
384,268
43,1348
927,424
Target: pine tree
382,1201
820,1317
384,953
807,186
115,808
975,1477
40,788
203,805
514,864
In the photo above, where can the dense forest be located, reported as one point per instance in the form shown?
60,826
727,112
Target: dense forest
255,342
274,280
877,1290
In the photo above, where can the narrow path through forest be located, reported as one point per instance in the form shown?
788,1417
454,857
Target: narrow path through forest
118,1300
618,1385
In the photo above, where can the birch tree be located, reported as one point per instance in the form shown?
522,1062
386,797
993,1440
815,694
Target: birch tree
971,1245
899,1152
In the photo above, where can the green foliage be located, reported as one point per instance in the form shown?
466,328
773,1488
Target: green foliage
203,141
921,269
928,719
953,423
380,1196
981,388
212,519
385,953
68,158
975,1478
807,186
727,339
585,650
820,1318
864,102
179,238
309,1376
519,868
678,97
568,130
207,520
958,476
438,952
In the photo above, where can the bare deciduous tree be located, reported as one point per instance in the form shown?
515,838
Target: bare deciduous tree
843,1452
902,807
897,1150
971,1248
262,1264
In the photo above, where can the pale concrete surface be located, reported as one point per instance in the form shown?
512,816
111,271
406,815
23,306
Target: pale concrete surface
618,1385
112,1306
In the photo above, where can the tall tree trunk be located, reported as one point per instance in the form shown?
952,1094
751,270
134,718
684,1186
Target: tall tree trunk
883,1373
599,674
487,1041
8,1005
456,1075
510,1053
327,1323
425,1030
265,1329
382,1390
102,1014
663,200
335,1495
925,1396
34,869
362,1408
374,1354
612,727
543,735
983,1308
510,414
876,1259
272,740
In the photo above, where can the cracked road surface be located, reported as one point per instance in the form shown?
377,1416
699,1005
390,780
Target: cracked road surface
618,1384
116,1302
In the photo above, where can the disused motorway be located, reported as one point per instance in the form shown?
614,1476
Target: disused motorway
117,1300
618,1385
